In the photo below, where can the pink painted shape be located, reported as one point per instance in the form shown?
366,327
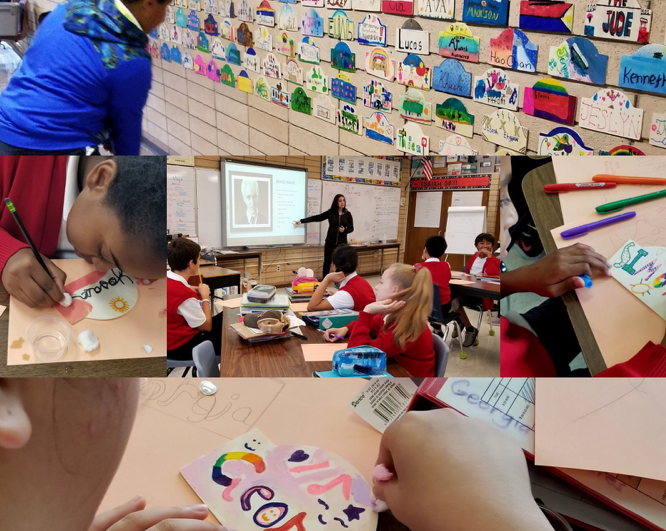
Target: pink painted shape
84,281
75,312
344,479
226,494
305,468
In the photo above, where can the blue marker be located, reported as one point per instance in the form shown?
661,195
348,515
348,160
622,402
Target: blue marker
587,280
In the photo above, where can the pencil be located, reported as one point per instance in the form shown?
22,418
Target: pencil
200,279
38,256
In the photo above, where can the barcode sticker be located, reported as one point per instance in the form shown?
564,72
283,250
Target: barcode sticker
383,401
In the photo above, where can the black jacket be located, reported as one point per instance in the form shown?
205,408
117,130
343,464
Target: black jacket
335,221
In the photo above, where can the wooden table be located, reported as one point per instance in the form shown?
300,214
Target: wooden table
379,247
479,287
547,214
146,367
278,358
217,277
242,255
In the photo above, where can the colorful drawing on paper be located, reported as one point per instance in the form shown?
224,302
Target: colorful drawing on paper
512,49
577,58
456,146
324,109
503,128
193,21
210,26
312,24
195,5
489,12
188,62
210,6
624,150
176,35
251,60
199,65
313,3
458,42
227,76
227,8
165,52
563,141
412,39
452,115
376,96
202,43
549,99
164,32
154,51
378,63
279,96
339,4
176,57
308,51
495,88
398,7
642,271
272,66
244,82
262,89
452,78
610,111
212,72
442,9
245,11
412,72
371,31
233,54
623,20
645,69
228,32
295,487
340,27
658,130
378,127
264,39
287,18
244,35
181,18
265,14
546,15
217,50
342,58
292,72
100,295
349,120
368,5
317,81
189,41
343,89
300,101
285,44
413,106
410,139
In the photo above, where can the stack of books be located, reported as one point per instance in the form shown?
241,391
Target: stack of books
299,297
280,302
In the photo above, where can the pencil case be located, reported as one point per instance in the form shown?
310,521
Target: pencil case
359,361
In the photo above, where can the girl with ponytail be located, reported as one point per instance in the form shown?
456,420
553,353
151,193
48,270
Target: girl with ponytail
398,322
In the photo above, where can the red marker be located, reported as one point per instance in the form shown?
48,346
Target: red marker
575,187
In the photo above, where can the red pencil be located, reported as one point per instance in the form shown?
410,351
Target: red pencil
563,188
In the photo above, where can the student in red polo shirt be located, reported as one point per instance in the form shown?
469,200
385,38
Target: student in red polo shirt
398,323
354,293
189,319
435,247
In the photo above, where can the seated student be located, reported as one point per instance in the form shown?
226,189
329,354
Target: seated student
435,246
398,323
355,293
482,263
110,211
189,319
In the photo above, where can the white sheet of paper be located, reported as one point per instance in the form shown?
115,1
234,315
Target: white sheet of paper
428,209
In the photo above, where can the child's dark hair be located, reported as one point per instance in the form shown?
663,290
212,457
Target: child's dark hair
345,259
436,246
180,251
334,204
484,236
138,197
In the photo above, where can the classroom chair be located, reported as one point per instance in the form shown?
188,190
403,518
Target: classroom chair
481,311
172,364
441,355
207,363
441,322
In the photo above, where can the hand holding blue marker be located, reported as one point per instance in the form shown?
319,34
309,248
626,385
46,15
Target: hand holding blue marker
587,280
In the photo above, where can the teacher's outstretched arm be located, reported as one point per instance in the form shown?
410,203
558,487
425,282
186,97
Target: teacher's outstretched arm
319,217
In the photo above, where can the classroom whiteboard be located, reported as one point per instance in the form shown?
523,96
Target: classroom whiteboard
313,208
209,211
375,209
181,200
463,224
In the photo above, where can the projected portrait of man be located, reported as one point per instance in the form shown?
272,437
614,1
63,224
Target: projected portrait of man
251,215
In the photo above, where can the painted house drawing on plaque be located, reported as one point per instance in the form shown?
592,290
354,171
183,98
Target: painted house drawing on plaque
265,14
170,15
452,78
456,146
176,35
308,51
312,24
546,15
262,88
623,150
176,57
376,96
512,49
285,44
233,54
272,66
658,130
264,39
340,27
212,71
210,6
199,65
244,82
412,39
317,81
251,60
368,5
645,69
563,141
245,11
412,72
165,52
217,50
623,20
244,35
286,18
210,26
348,119
503,128
193,21
441,9
189,41
577,58
378,63
181,18
489,12
279,96
343,89
495,88
413,106
610,111
379,128
202,43
300,101
371,31
228,31
342,58
164,32
226,8
154,51
458,42
324,109
410,139
188,62
453,116
313,3
549,99
339,4
292,72
404,8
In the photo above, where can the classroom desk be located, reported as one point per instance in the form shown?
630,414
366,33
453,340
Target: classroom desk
279,358
379,247
217,277
146,367
547,215
479,288
242,255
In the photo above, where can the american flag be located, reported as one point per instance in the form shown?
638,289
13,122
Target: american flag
427,168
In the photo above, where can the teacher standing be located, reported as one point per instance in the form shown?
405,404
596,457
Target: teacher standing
340,223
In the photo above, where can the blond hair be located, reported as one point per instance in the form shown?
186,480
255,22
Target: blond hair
416,290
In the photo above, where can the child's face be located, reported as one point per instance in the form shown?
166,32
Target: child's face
485,245
386,286
508,215
74,433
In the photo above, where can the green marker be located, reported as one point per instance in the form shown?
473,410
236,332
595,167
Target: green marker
616,206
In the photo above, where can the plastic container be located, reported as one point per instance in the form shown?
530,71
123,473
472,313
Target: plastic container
49,337
359,361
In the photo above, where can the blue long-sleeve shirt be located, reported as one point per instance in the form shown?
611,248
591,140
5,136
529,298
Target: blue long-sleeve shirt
84,79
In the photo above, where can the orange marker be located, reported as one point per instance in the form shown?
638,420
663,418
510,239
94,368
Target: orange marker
622,179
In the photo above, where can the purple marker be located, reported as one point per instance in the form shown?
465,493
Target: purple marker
577,232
